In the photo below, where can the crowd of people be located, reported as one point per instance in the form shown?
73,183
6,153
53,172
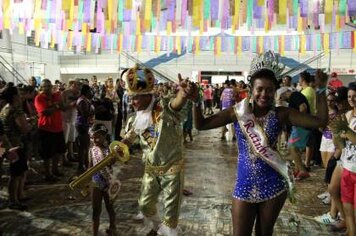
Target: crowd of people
273,122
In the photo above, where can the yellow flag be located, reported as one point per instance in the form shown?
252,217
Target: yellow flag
108,26
326,43
88,46
65,4
148,15
260,44
337,22
300,24
282,13
282,45
37,36
201,27
110,5
114,10
148,10
6,7
139,44
138,25
128,4
197,12
169,28
218,46
6,14
53,40
197,45
261,3
266,23
119,46
235,19
239,45
178,46
71,10
70,40
38,23
328,11
68,24
84,28
7,23
302,45
157,44
21,28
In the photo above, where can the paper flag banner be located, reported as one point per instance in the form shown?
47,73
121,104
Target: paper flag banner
82,24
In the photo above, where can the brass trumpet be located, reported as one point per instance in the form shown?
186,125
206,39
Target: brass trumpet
118,152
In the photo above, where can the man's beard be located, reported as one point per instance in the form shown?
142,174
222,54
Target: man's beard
143,118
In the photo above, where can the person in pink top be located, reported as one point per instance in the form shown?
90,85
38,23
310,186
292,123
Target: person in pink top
208,100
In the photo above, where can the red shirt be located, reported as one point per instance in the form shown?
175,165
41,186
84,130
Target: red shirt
243,95
51,123
208,94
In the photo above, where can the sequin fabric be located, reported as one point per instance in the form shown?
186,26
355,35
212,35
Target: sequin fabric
227,98
97,155
256,181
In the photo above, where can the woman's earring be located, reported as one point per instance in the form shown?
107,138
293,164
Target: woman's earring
251,101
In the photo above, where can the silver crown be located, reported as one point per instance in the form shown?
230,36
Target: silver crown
270,61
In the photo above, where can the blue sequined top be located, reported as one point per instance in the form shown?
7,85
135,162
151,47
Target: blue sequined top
256,181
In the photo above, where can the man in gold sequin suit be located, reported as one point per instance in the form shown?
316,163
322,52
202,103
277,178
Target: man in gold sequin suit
158,124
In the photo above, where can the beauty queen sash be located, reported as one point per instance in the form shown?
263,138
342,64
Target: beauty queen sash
106,179
259,143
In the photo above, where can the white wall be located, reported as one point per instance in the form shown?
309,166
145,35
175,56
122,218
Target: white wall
186,64
25,58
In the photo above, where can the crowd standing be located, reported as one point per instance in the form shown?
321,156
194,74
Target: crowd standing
62,123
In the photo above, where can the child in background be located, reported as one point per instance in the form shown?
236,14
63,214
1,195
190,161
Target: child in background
106,186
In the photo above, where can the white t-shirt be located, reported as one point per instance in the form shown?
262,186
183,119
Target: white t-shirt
348,156
69,115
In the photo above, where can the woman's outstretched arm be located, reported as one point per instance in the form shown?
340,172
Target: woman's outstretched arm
297,118
221,118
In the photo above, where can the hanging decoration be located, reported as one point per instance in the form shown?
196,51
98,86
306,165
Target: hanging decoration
177,25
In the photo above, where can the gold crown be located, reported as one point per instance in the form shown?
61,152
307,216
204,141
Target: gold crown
270,61
139,81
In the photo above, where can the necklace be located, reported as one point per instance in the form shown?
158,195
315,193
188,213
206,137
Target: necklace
262,119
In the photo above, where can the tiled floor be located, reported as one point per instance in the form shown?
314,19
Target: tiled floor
210,174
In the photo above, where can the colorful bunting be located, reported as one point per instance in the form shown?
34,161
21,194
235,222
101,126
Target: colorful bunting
136,25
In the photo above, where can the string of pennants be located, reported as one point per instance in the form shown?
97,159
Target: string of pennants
93,42
108,23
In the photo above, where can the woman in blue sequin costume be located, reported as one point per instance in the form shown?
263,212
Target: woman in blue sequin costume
260,189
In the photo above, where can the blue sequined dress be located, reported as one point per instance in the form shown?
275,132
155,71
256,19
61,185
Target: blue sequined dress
256,181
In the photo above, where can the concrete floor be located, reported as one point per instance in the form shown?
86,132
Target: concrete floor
210,173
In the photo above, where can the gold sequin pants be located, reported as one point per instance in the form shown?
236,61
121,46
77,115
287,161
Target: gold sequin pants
172,186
